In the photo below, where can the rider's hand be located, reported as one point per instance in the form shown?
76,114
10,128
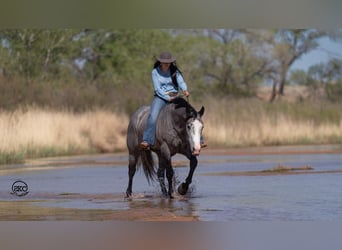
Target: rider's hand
186,93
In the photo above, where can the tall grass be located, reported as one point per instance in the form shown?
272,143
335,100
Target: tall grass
251,122
36,132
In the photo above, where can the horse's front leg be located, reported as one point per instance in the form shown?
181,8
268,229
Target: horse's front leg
169,176
183,188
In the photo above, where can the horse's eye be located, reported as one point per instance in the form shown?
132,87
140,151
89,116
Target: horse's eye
189,126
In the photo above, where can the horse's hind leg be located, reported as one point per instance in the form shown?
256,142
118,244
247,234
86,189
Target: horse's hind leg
131,171
161,177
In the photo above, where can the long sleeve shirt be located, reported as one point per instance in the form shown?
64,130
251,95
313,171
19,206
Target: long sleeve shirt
162,83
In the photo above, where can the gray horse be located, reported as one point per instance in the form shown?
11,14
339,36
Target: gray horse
179,129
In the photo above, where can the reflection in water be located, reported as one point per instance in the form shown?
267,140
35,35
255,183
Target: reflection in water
179,206
94,189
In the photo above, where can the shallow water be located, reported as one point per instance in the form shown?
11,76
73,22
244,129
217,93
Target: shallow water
279,197
99,182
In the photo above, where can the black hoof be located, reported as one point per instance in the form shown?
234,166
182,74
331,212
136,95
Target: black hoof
183,188
128,194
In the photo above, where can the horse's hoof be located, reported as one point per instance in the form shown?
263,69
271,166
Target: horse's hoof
182,189
128,195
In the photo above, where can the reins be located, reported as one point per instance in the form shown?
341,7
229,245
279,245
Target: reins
187,97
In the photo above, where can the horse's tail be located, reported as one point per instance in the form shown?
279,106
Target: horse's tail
143,157
148,165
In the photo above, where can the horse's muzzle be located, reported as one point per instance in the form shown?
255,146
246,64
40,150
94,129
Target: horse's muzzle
196,152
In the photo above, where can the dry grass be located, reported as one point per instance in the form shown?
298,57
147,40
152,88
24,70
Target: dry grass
37,132
256,123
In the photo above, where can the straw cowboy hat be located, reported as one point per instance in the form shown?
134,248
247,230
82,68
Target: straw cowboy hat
166,57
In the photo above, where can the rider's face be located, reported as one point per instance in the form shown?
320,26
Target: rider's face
164,66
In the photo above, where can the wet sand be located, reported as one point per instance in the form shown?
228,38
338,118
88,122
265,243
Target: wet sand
29,211
48,206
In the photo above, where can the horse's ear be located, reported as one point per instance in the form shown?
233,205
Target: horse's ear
201,112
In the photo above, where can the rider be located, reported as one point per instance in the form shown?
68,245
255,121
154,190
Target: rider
167,79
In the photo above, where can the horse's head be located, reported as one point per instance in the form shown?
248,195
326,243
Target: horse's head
194,125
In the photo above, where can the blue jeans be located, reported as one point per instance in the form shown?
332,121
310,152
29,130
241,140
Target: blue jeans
150,131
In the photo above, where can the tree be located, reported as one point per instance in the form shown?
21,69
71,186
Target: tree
34,52
89,55
236,61
299,77
324,73
329,77
289,46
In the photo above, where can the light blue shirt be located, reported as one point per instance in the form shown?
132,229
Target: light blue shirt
163,85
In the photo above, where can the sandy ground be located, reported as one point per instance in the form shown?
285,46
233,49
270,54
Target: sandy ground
27,211
44,207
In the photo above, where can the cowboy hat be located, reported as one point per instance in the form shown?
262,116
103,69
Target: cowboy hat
166,57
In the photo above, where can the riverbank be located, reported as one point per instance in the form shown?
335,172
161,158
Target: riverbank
36,132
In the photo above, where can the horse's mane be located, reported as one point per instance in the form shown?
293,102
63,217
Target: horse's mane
182,103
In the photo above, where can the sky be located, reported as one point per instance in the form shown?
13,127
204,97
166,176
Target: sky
327,50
